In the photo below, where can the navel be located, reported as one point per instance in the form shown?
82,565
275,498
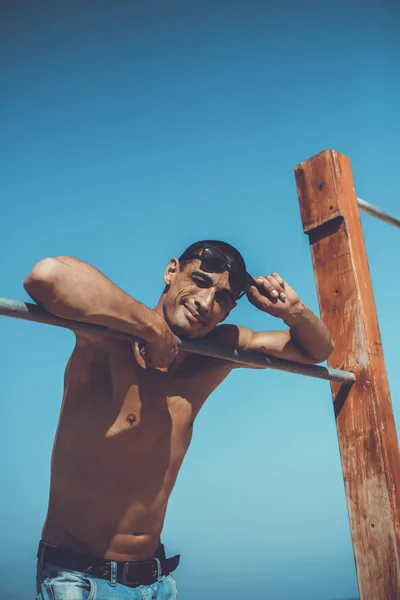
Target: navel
131,418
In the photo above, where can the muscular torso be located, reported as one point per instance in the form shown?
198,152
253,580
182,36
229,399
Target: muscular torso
122,436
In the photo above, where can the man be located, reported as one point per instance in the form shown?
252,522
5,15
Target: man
128,410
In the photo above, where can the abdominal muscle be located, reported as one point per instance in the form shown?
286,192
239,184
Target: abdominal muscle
93,524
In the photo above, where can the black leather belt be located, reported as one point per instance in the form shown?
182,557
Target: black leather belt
130,574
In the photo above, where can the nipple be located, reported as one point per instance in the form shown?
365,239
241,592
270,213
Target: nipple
131,418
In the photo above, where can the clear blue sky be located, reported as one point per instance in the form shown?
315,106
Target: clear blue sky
130,129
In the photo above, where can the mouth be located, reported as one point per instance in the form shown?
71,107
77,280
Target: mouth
192,316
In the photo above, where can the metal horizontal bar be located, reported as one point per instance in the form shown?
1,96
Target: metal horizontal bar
33,312
378,213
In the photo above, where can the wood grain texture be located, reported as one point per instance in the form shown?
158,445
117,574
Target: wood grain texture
364,416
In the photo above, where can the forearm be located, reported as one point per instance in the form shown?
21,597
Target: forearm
309,333
70,288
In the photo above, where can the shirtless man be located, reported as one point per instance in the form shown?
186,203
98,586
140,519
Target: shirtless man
128,410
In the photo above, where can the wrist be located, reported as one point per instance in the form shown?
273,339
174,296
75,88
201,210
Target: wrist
295,315
155,328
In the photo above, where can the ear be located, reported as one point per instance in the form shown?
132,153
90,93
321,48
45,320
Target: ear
171,271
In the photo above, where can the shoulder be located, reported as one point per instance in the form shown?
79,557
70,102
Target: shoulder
91,341
234,336
90,347
93,356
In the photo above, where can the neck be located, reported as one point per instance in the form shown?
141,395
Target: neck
159,307
173,367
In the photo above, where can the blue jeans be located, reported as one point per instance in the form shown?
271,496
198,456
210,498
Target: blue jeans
56,583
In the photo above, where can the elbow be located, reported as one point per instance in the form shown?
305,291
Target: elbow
330,348
325,353
42,278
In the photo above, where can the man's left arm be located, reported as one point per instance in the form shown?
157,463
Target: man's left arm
308,337
306,341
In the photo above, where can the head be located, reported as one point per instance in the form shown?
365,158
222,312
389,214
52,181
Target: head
200,294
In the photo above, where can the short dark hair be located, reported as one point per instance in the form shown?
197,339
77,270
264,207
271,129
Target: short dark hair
230,251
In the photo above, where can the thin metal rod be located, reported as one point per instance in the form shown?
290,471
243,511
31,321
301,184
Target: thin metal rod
33,312
378,213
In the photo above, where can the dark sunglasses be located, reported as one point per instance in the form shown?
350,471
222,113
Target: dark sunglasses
215,261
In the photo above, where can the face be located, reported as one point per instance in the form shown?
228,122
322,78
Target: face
195,300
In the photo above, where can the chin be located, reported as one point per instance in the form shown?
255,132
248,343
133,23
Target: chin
185,331
183,328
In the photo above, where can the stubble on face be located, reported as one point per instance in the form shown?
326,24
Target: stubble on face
196,301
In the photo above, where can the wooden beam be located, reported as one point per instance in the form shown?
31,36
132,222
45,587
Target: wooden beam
364,416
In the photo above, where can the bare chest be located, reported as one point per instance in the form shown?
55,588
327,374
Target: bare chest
116,403
149,404
119,407
127,423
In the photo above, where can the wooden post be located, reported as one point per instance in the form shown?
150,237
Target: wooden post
364,416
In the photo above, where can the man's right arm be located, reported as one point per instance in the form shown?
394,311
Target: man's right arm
73,289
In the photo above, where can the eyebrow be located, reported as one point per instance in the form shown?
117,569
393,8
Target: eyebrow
210,281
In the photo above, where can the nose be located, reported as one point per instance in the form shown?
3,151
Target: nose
204,301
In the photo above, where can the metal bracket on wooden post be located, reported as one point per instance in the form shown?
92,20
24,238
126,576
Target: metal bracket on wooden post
364,416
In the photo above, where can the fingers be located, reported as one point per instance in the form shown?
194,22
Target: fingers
162,353
273,285
279,279
278,286
145,355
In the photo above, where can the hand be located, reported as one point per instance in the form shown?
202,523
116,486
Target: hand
274,296
162,350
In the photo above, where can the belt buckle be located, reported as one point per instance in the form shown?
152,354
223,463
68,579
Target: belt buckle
155,573
124,576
